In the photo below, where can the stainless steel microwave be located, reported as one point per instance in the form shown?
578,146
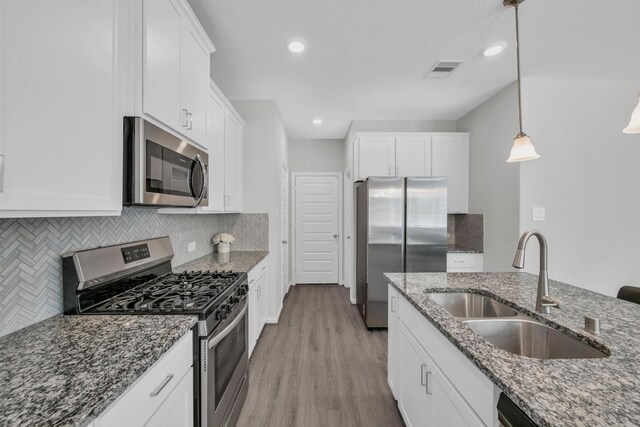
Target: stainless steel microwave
162,169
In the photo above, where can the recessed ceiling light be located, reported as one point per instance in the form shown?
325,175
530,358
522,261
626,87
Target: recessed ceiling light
495,49
317,121
297,45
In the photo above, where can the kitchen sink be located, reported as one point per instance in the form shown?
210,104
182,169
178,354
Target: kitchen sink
468,305
529,338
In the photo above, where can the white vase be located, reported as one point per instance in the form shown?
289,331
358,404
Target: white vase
224,248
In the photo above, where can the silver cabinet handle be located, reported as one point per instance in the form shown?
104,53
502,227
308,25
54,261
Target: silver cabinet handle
393,310
190,118
185,120
251,281
264,267
423,376
162,385
428,380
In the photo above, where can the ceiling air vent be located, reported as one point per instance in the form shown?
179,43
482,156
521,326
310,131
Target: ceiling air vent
443,69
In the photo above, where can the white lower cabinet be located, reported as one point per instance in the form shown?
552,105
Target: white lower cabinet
162,396
464,263
258,279
435,384
393,340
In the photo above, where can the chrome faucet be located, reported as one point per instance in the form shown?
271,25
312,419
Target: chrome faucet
543,301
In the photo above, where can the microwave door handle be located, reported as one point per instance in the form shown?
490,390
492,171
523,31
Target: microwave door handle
205,179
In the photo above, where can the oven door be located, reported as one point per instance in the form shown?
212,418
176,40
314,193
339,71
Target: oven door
162,169
224,361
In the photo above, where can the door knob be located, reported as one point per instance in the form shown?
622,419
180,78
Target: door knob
335,236
284,242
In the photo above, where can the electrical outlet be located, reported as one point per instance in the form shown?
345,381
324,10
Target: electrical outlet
191,246
538,214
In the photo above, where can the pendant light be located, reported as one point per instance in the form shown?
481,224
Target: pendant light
634,123
522,149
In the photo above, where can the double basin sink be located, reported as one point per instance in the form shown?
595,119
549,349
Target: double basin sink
511,330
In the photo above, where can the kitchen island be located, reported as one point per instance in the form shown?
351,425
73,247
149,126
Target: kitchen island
554,392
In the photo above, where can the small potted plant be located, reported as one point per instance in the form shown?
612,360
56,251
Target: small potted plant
223,240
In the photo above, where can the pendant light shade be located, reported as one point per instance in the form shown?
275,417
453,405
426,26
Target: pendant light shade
522,149
634,123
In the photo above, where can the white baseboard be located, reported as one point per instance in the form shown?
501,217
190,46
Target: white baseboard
353,300
274,319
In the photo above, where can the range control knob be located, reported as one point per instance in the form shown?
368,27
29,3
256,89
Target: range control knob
233,299
222,312
242,290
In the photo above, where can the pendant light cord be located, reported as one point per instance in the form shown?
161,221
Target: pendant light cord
518,65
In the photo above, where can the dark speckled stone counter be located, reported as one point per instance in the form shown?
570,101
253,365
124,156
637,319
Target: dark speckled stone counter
241,261
568,392
66,370
457,249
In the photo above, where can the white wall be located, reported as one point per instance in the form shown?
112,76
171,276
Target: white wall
264,151
587,178
316,155
494,184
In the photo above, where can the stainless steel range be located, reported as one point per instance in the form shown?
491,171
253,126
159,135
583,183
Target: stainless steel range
136,278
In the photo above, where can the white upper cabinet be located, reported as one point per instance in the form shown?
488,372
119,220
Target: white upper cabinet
233,163
162,35
224,144
416,154
413,156
376,155
175,72
63,72
451,159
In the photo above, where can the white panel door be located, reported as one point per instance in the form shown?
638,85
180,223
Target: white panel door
161,70
284,228
450,158
376,156
317,229
413,156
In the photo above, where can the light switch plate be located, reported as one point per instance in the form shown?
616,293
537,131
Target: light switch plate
538,214
191,247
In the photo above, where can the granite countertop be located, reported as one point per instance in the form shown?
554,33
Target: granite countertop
241,261
569,392
66,370
457,249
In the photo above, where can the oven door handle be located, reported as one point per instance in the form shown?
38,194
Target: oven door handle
215,340
205,180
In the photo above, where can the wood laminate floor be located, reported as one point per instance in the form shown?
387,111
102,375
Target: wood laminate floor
319,366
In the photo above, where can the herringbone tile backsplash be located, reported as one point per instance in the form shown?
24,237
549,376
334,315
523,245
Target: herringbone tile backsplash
30,250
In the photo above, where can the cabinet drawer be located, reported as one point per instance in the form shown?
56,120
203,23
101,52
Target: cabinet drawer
464,262
138,403
257,272
474,387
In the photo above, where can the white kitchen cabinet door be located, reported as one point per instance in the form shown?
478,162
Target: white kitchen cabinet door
414,401
215,139
393,342
413,156
162,35
194,83
177,408
261,316
450,409
257,300
233,164
252,301
376,156
62,122
450,158
464,263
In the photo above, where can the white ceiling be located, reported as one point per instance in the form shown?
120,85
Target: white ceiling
366,58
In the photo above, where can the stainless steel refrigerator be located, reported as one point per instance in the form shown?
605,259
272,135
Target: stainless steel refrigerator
401,226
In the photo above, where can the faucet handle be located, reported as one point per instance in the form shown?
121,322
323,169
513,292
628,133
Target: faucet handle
547,301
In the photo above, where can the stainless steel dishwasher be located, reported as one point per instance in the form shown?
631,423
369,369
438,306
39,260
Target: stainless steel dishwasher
510,415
